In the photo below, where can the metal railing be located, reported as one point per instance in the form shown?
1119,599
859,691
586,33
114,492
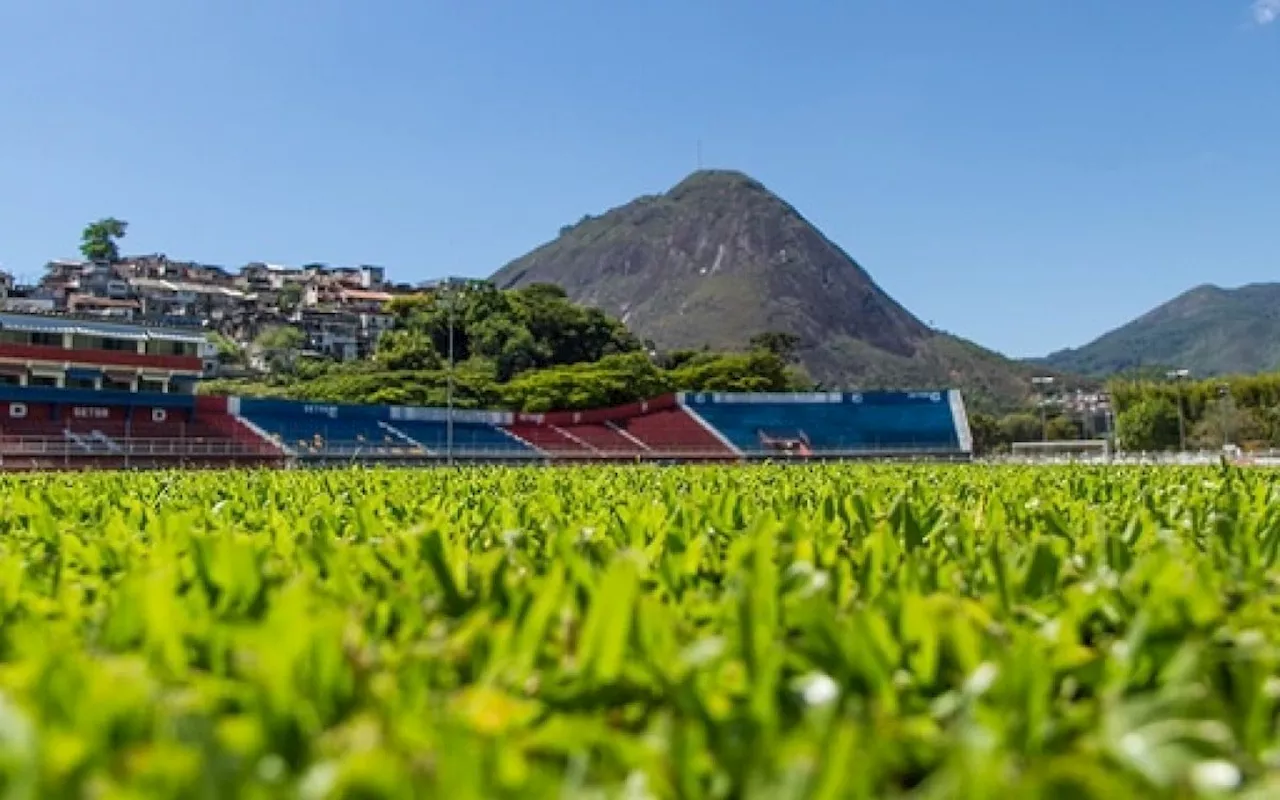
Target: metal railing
85,446
85,449
358,450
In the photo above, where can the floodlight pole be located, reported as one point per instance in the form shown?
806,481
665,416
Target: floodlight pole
1177,376
449,392
451,296
1040,382
1224,394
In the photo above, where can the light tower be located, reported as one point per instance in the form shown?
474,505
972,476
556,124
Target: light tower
1040,382
1178,376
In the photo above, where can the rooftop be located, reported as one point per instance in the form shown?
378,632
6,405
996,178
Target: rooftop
185,286
91,326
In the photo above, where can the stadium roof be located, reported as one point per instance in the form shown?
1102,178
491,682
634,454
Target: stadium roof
185,286
48,323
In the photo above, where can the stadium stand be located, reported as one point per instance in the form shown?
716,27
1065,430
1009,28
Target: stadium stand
86,394
656,428
318,428
43,427
475,433
81,393
550,439
675,433
836,423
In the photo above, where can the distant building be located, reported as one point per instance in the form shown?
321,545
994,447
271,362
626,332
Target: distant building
69,352
121,307
163,297
341,310
335,334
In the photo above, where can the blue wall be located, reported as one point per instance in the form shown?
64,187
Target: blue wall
90,397
834,421
336,424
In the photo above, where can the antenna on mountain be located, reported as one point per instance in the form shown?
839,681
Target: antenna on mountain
699,154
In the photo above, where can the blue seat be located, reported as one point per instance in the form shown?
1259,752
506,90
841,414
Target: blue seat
332,433
467,437
873,421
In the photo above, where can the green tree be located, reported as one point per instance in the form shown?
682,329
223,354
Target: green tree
290,296
783,345
406,350
986,433
99,240
228,351
518,330
757,371
1268,420
1062,428
281,337
1226,422
280,345
614,380
1149,424
1021,427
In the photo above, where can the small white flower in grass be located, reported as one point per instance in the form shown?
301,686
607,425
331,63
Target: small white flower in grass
819,581
981,679
818,689
1133,745
703,651
799,568
637,787
272,768
1250,638
1050,629
1215,775
318,781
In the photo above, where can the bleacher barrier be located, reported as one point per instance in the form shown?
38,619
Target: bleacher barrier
50,428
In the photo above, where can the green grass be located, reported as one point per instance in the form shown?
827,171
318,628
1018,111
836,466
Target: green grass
764,632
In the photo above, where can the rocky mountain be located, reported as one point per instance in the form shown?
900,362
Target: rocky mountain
1208,330
719,258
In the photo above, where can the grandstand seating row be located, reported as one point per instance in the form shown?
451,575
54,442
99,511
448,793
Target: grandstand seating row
46,427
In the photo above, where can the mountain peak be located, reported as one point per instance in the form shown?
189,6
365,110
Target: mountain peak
1209,329
716,179
718,259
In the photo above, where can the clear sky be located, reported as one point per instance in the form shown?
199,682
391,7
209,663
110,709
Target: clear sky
1025,173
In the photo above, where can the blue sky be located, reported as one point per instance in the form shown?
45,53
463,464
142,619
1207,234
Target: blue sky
1025,173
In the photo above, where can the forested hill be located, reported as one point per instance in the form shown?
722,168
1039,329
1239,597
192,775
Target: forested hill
526,349
1208,330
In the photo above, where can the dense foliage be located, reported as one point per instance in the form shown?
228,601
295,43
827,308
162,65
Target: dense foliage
528,349
1242,410
100,240
691,632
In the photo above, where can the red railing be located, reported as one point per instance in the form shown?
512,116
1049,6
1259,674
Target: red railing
85,446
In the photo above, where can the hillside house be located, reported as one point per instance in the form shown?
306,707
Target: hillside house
184,298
